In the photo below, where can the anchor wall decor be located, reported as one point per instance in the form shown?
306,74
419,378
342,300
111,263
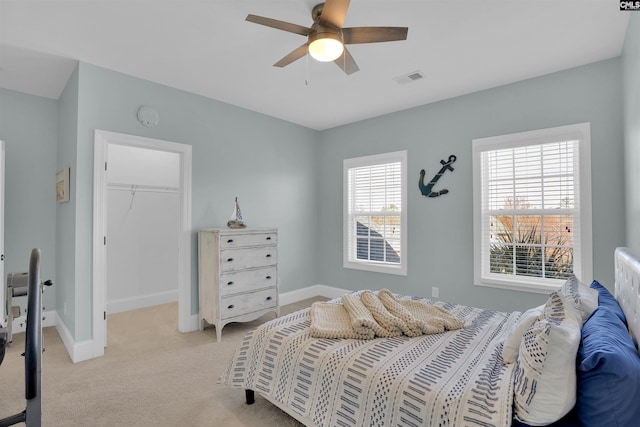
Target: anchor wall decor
426,190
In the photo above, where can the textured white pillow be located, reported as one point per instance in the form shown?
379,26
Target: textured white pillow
512,342
545,382
579,297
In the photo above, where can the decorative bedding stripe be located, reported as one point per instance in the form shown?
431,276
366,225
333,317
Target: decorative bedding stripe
453,378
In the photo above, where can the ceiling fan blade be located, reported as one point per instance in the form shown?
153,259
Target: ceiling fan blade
293,56
334,12
280,25
357,35
347,63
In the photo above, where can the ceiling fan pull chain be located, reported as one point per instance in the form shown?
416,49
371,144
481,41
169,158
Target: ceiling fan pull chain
306,79
344,64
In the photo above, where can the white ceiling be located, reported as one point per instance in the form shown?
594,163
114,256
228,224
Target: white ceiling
206,47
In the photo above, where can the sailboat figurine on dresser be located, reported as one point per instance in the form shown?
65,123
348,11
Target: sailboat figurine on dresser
236,218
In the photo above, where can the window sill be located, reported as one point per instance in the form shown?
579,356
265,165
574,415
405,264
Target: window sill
538,288
400,270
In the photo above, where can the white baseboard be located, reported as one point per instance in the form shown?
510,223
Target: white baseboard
134,303
310,292
78,351
291,297
83,350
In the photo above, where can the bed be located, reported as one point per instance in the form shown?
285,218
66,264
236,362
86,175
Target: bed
572,361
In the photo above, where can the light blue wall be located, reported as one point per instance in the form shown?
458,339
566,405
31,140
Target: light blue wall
291,177
66,212
271,165
29,127
440,230
631,80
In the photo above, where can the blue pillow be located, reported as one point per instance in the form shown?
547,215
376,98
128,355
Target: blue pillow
608,372
607,300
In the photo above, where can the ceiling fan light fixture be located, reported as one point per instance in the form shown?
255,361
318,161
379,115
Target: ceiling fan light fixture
327,39
325,47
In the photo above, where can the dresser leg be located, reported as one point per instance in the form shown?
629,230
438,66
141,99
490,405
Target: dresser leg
250,396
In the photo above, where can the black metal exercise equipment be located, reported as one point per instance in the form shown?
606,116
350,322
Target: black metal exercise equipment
32,415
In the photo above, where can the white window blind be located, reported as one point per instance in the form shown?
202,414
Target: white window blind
375,214
533,219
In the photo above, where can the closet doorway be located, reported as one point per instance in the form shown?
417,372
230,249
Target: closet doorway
142,223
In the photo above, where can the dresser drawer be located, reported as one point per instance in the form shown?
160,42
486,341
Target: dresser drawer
237,305
242,240
239,259
247,280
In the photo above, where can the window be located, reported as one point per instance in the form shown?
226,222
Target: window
532,208
375,214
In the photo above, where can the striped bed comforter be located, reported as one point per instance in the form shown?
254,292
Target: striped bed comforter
455,378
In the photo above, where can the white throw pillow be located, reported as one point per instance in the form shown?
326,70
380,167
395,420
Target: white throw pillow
512,342
545,382
579,297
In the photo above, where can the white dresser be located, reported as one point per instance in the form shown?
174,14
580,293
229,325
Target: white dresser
238,275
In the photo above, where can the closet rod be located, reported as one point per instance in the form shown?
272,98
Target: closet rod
144,188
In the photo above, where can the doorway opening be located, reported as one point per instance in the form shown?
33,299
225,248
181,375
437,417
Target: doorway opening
142,202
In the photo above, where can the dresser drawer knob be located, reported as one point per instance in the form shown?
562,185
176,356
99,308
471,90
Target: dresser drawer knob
268,298
231,306
230,241
268,237
229,259
268,255
268,277
230,283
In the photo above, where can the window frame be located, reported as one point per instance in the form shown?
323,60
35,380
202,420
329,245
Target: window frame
583,263
350,259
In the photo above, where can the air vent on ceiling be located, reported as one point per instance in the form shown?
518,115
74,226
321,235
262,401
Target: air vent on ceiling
410,77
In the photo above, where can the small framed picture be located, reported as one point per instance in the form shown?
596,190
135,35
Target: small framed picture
62,185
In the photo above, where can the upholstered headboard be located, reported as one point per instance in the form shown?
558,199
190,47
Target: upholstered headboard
627,289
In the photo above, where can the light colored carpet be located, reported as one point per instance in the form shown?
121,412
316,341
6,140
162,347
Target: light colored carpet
151,375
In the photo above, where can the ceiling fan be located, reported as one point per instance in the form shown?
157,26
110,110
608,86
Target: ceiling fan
326,39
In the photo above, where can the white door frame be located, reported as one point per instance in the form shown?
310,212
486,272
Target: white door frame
102,139
3,290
